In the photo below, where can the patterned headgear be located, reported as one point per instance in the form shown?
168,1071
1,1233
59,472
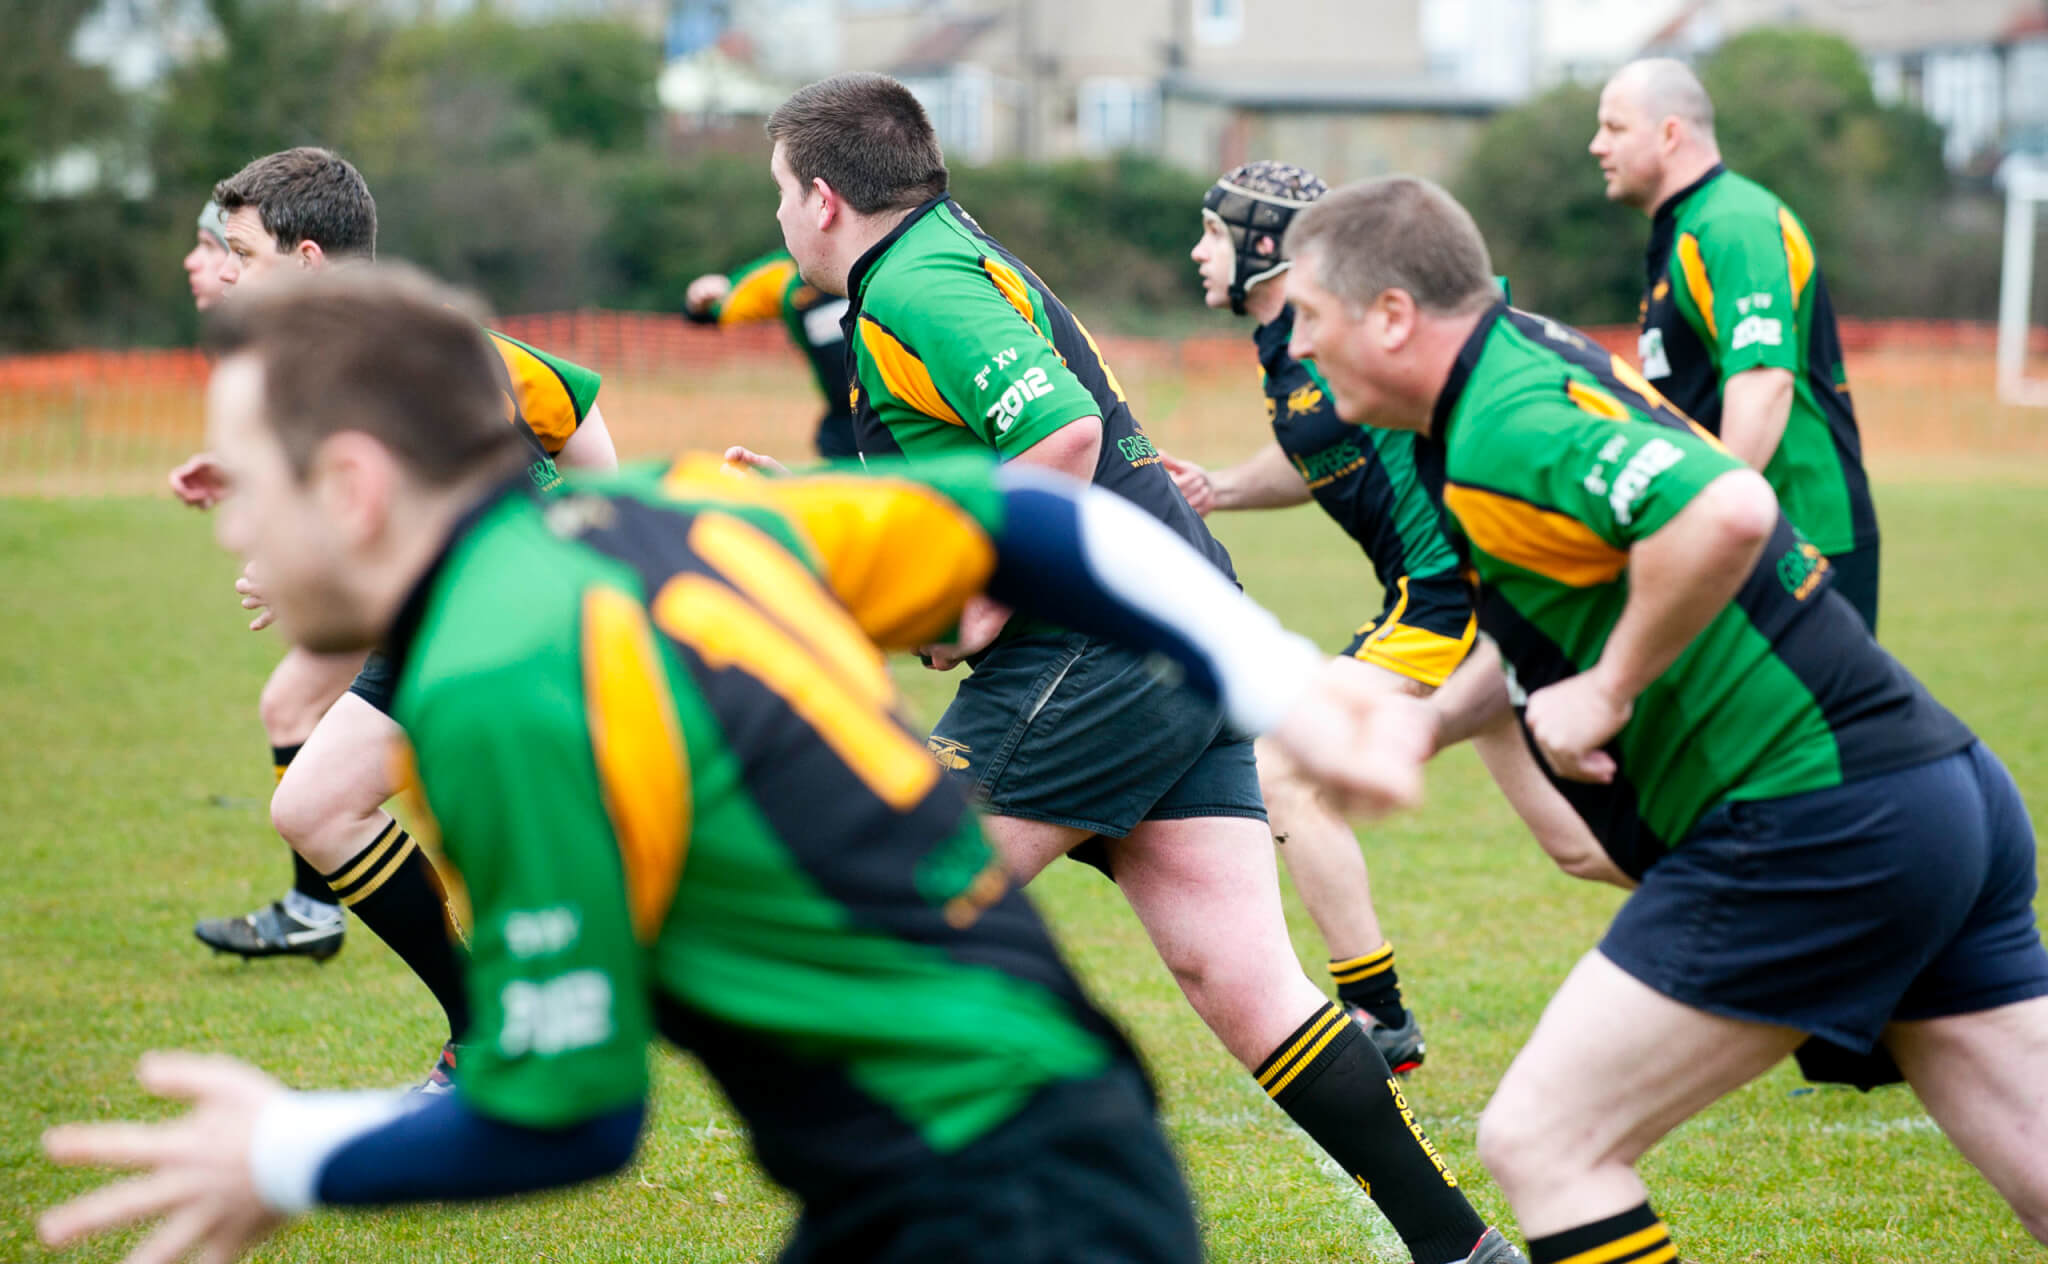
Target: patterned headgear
213,222
1254,203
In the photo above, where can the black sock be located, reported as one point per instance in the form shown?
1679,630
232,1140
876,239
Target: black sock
1369,982
392,886
306,880
1635,1236
1331,1080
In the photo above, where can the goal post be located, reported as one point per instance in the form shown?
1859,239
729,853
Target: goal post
2026,188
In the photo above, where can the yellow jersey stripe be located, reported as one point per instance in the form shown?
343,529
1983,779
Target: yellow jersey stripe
905,375
775,580
642,766
1596,401
1798,253
1538,540
1696,282
1642,1239
1331,1015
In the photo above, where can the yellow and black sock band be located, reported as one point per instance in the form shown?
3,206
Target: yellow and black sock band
369,869
1296,1063
281,758
1636,1236
1359,969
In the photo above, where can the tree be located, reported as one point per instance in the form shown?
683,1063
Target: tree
1537,196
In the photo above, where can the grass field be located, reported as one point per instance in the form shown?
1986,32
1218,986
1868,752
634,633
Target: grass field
134,802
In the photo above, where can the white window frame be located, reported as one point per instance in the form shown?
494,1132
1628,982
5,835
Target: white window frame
1113,114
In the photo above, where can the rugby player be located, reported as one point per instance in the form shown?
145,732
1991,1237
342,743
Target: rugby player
209,251
1368,482
327,715
1074,745
770,289
652,723
1827,855
1738,330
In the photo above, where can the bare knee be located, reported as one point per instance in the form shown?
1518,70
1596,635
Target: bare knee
285,711
1514,1145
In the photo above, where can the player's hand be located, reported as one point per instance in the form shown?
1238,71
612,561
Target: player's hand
750,459
706,291
253,599
1193,482
1571,720
199,482
195,1168
1363,743
981,622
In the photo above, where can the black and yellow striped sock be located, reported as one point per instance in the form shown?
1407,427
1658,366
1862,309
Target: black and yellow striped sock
1328,1077
306,879
393,887
1370,983
1636,1236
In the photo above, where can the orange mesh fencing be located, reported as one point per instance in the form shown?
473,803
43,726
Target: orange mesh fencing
108,422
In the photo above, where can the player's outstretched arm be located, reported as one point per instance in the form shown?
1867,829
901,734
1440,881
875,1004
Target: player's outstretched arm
251,1152
1264,480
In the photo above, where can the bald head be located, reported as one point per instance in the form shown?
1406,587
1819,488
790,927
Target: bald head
1667,88
1656,132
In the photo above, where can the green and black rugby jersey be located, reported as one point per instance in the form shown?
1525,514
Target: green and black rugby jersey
1734,285
651,726
958,347
1364,478
1555,458
770,288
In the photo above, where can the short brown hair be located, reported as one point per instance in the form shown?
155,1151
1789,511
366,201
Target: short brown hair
306,194
867,137
381,350
1396,233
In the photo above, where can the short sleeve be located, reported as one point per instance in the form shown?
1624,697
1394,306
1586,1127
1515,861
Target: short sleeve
757,290
556,979
972,350
1626,479
1749,291
553,395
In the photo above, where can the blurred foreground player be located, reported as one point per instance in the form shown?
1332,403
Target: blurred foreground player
651,720
1828,857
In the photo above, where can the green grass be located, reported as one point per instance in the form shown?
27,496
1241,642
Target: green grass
135,779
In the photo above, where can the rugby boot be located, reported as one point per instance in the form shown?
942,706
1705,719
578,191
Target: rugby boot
1401,1046
272,931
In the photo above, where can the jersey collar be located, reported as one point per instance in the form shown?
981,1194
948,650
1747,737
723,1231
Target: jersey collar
1461,373
406,625
857,278
1665,222
1272,338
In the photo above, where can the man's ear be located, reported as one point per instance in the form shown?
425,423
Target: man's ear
353,479
309,254
1398,314
830,205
